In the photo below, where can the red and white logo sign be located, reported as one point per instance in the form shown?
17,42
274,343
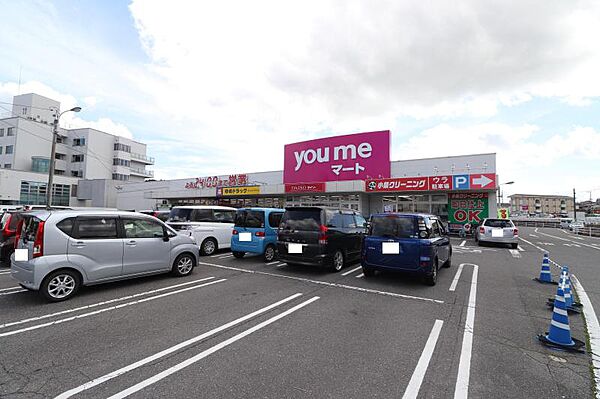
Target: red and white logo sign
305,188
399,184
486,180
440,183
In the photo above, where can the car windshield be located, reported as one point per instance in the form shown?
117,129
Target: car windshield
498,223
249,218
393,226
301,219
190,215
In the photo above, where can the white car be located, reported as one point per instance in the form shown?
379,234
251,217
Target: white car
576,226
209,225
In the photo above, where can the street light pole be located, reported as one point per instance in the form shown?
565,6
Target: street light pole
53,154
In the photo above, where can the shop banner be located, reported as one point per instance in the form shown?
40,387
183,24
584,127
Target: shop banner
503,213
305,188
399,184
467,207
351,157
433,183
233,191
217,181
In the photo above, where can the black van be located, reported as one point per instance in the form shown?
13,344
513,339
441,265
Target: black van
320,236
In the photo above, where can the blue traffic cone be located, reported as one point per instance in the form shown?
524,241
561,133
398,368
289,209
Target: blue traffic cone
559,334
566,289
569,301
545,275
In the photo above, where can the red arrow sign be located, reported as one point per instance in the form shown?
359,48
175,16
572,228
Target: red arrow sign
485,180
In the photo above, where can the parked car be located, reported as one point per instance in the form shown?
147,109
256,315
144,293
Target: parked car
502,231
576,225
320,236
162,215
67,249
406,242
210,226
565,223
255,231
8,225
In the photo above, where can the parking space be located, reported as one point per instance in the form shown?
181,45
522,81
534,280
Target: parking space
249,328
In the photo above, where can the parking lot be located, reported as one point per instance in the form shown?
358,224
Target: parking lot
245,328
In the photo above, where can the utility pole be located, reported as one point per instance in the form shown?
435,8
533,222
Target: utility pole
57,116
574,207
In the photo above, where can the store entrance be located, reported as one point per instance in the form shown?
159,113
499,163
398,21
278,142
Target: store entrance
436,204
346,201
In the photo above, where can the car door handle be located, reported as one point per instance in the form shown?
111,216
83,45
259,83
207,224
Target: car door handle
78,244
131,243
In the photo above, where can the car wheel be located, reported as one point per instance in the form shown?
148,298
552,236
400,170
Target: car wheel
448,263
60,285
208,247
337,261
183,265
431,279
270,253
237,254
368,272
514,246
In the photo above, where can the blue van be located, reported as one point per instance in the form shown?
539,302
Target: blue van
255,231
406,242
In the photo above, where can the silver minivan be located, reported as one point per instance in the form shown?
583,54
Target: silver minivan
56,252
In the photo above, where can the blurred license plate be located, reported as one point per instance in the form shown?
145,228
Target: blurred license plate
294,248
21,255
497,233
245,236
392,248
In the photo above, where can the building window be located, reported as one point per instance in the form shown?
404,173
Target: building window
9,149
59,172
79,141
120,162
7,166
1,132
122,147
73,190
60,157
10,131
40,165
119,176
24,110
0,150
77,173
34,193
77,158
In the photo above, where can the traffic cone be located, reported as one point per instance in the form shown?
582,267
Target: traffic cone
566,287
545,275
559,335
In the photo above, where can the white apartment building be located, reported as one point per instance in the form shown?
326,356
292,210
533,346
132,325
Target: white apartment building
85,153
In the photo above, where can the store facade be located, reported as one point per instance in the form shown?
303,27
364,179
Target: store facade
351,171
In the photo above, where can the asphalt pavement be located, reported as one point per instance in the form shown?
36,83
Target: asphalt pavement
241,328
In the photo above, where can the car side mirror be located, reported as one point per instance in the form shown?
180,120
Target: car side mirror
165,235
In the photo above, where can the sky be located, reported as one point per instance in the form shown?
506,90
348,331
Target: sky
221,87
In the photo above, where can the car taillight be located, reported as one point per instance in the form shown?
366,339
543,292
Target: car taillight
234,232
18,234
7,232
482,230
323,234
424,261
38,244
516,232
260,234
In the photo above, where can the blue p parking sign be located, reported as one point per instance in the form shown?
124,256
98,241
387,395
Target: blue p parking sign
461,182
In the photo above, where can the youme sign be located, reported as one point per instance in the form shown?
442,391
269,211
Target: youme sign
351,157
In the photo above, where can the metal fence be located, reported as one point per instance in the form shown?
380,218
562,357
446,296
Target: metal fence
591,231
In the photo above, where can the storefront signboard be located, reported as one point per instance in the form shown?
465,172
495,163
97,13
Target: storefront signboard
432,183
399,184
467,207
216,181
503,213
351,157
305,188
233,191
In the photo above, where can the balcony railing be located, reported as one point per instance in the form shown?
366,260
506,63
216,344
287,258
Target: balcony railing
142,172
141,157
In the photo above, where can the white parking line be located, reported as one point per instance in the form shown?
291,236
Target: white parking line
520,248
464,366
10,288
93,305
180,366
1,273
168,351
281,264
593,328
462,244
412,390
336,285
13,292
351,271
272,263
80,316
456,277
515,253
571,241
360,275
226,256
533,235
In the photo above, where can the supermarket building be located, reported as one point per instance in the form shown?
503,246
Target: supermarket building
351,171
